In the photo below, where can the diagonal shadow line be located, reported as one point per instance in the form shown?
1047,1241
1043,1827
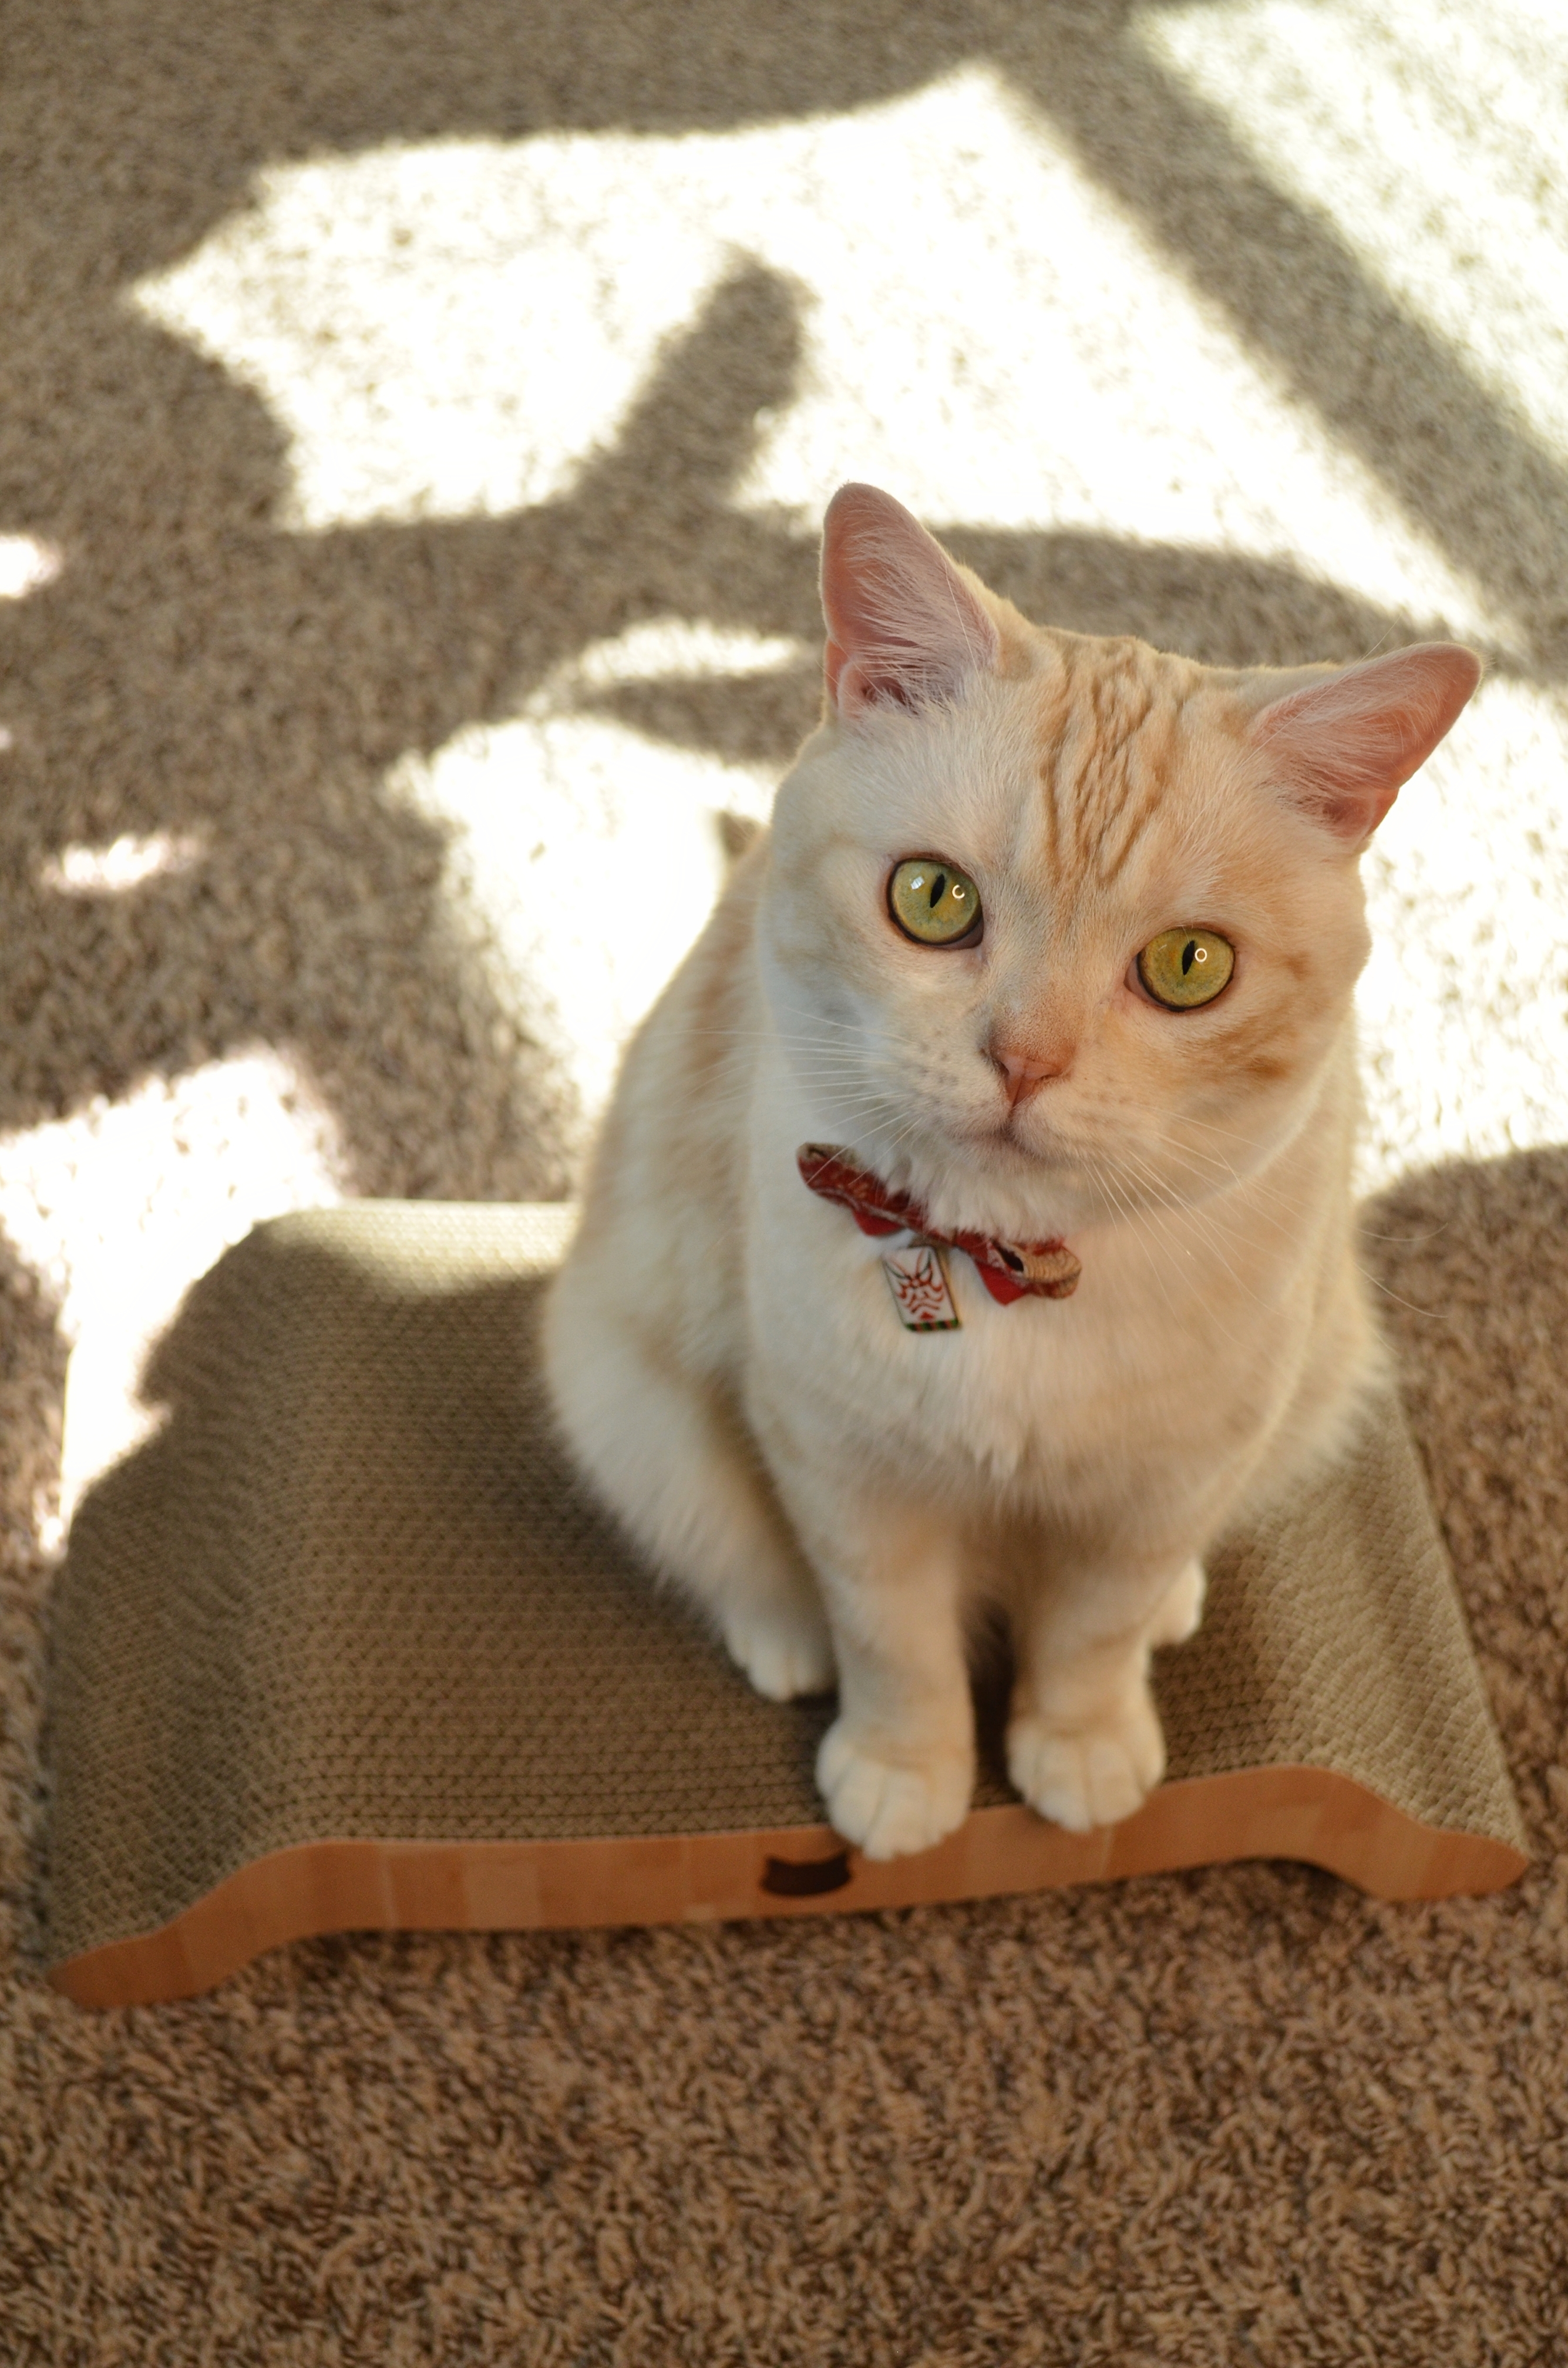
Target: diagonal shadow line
1468,473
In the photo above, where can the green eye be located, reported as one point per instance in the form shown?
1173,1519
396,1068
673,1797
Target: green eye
934,903
1182,968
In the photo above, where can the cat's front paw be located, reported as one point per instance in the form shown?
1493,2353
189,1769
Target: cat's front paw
785,1650
1091,1775
891,1810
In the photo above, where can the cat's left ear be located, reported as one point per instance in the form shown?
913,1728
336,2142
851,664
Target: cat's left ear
1342,747
903,624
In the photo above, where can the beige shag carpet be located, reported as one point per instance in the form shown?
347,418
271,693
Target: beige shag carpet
414,422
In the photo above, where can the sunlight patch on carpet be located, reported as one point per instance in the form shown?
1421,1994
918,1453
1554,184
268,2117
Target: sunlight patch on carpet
1433,139
587,856
453,328
25,566
118,1207
1464,1003
125,862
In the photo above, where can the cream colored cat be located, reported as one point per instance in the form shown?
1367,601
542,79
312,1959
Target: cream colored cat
1056,938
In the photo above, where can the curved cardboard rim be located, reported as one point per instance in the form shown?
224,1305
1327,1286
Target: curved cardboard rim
1315,1814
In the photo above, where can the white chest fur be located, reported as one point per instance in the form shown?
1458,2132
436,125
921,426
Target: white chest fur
1136,1384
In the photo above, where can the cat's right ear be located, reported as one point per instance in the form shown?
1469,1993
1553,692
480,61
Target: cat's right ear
904,625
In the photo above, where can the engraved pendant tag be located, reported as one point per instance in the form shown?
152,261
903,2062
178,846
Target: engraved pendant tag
917,1277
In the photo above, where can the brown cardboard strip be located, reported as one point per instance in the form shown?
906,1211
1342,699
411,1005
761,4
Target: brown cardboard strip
1309,1814
339,1645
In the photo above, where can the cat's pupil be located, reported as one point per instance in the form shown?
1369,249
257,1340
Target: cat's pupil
937,885
1187,953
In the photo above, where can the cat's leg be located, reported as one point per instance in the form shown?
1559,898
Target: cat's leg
1181,1606
1085,1746
683,1478
896,1768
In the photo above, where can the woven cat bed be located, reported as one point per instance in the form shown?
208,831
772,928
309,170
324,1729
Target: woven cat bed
342,1645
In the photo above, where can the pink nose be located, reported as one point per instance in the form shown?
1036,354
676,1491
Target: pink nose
1023,1073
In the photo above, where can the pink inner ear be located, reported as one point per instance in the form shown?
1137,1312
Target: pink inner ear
903,624
1345,747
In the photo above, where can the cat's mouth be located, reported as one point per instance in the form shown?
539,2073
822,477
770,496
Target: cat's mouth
1007,1136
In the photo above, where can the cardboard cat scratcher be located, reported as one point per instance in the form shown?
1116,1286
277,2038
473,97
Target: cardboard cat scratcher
341,1645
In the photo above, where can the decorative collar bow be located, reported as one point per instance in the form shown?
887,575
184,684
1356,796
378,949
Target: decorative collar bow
1008,1269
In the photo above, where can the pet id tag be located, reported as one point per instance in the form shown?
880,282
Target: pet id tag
917,1278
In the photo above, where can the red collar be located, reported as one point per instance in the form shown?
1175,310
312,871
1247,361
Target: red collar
1008,1269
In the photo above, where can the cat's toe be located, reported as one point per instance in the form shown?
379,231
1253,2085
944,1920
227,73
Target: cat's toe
890,1810
1180,1609
1095,1776
783,1652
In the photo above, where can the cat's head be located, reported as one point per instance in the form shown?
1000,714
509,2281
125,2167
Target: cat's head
1054,924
